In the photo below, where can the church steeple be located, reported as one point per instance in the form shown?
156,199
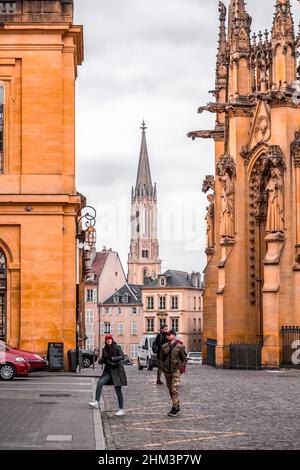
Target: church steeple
143,259
144,181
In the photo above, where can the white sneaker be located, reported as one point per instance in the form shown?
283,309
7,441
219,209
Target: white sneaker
120,413
94,404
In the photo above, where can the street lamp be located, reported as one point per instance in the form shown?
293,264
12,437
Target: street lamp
86,241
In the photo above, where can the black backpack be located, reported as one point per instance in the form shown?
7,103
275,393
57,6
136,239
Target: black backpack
156,345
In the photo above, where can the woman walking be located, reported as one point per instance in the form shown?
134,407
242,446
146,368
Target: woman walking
113,374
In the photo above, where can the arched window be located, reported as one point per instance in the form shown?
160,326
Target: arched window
2,295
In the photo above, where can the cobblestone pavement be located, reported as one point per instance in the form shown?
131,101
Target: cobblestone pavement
221,409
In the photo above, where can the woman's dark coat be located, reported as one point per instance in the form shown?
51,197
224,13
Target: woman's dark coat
114,366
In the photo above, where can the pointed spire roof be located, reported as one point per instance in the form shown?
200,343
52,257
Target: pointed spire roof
143,179
283,25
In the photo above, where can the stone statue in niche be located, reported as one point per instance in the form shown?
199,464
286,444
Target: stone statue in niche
210,222
227,206
275,213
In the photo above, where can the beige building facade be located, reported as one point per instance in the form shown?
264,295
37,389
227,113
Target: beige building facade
175,298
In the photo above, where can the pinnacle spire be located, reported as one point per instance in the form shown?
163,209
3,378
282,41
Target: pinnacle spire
144,180
222,33
283,25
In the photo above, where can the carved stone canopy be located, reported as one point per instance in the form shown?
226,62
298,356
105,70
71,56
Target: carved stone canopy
226,164
295,150
272,153
208,183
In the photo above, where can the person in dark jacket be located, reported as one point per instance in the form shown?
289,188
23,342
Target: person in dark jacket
160,340
172,362
113,374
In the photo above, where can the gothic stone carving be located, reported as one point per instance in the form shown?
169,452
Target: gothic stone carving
226,171
209,184
262,208
295,150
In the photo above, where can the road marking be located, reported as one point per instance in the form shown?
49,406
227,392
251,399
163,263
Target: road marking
167,420
158,406
59,438
181,430
206,438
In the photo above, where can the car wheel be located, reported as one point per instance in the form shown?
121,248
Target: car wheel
139,365
86,362
7,372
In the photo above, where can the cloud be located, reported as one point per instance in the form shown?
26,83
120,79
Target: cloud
151,59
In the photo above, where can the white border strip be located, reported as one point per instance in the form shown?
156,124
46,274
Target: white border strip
98,428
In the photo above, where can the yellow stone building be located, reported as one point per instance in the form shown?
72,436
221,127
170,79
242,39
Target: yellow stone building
252,291
40,50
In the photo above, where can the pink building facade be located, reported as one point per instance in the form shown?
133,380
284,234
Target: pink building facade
105,278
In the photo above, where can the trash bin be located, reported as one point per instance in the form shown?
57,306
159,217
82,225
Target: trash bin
72,359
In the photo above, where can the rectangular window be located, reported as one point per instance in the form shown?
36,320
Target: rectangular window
134,328
107,326
1,128
118,311
134,311
162,322
106,310
195,324
174,324
95,296
89,295
120,328
150,303
145,254
89,319
174,304
150,324
134,350
162,303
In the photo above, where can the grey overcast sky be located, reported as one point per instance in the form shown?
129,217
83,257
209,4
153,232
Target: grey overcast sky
152,60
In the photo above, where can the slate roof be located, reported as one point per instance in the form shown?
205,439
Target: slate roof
174,279
133,292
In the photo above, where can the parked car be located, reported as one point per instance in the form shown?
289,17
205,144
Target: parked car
194,358
36,361
127,361
88,357
12,365
146,357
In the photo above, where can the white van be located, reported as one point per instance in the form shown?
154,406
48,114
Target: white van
146,357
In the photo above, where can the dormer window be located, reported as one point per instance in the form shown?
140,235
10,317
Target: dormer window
125,298
162,281
116,298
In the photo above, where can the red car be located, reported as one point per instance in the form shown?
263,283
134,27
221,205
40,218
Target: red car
12,365
36,361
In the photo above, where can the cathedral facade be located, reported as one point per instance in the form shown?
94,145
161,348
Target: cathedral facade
252,275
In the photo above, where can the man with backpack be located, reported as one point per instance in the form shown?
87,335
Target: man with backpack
172,362
159,341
